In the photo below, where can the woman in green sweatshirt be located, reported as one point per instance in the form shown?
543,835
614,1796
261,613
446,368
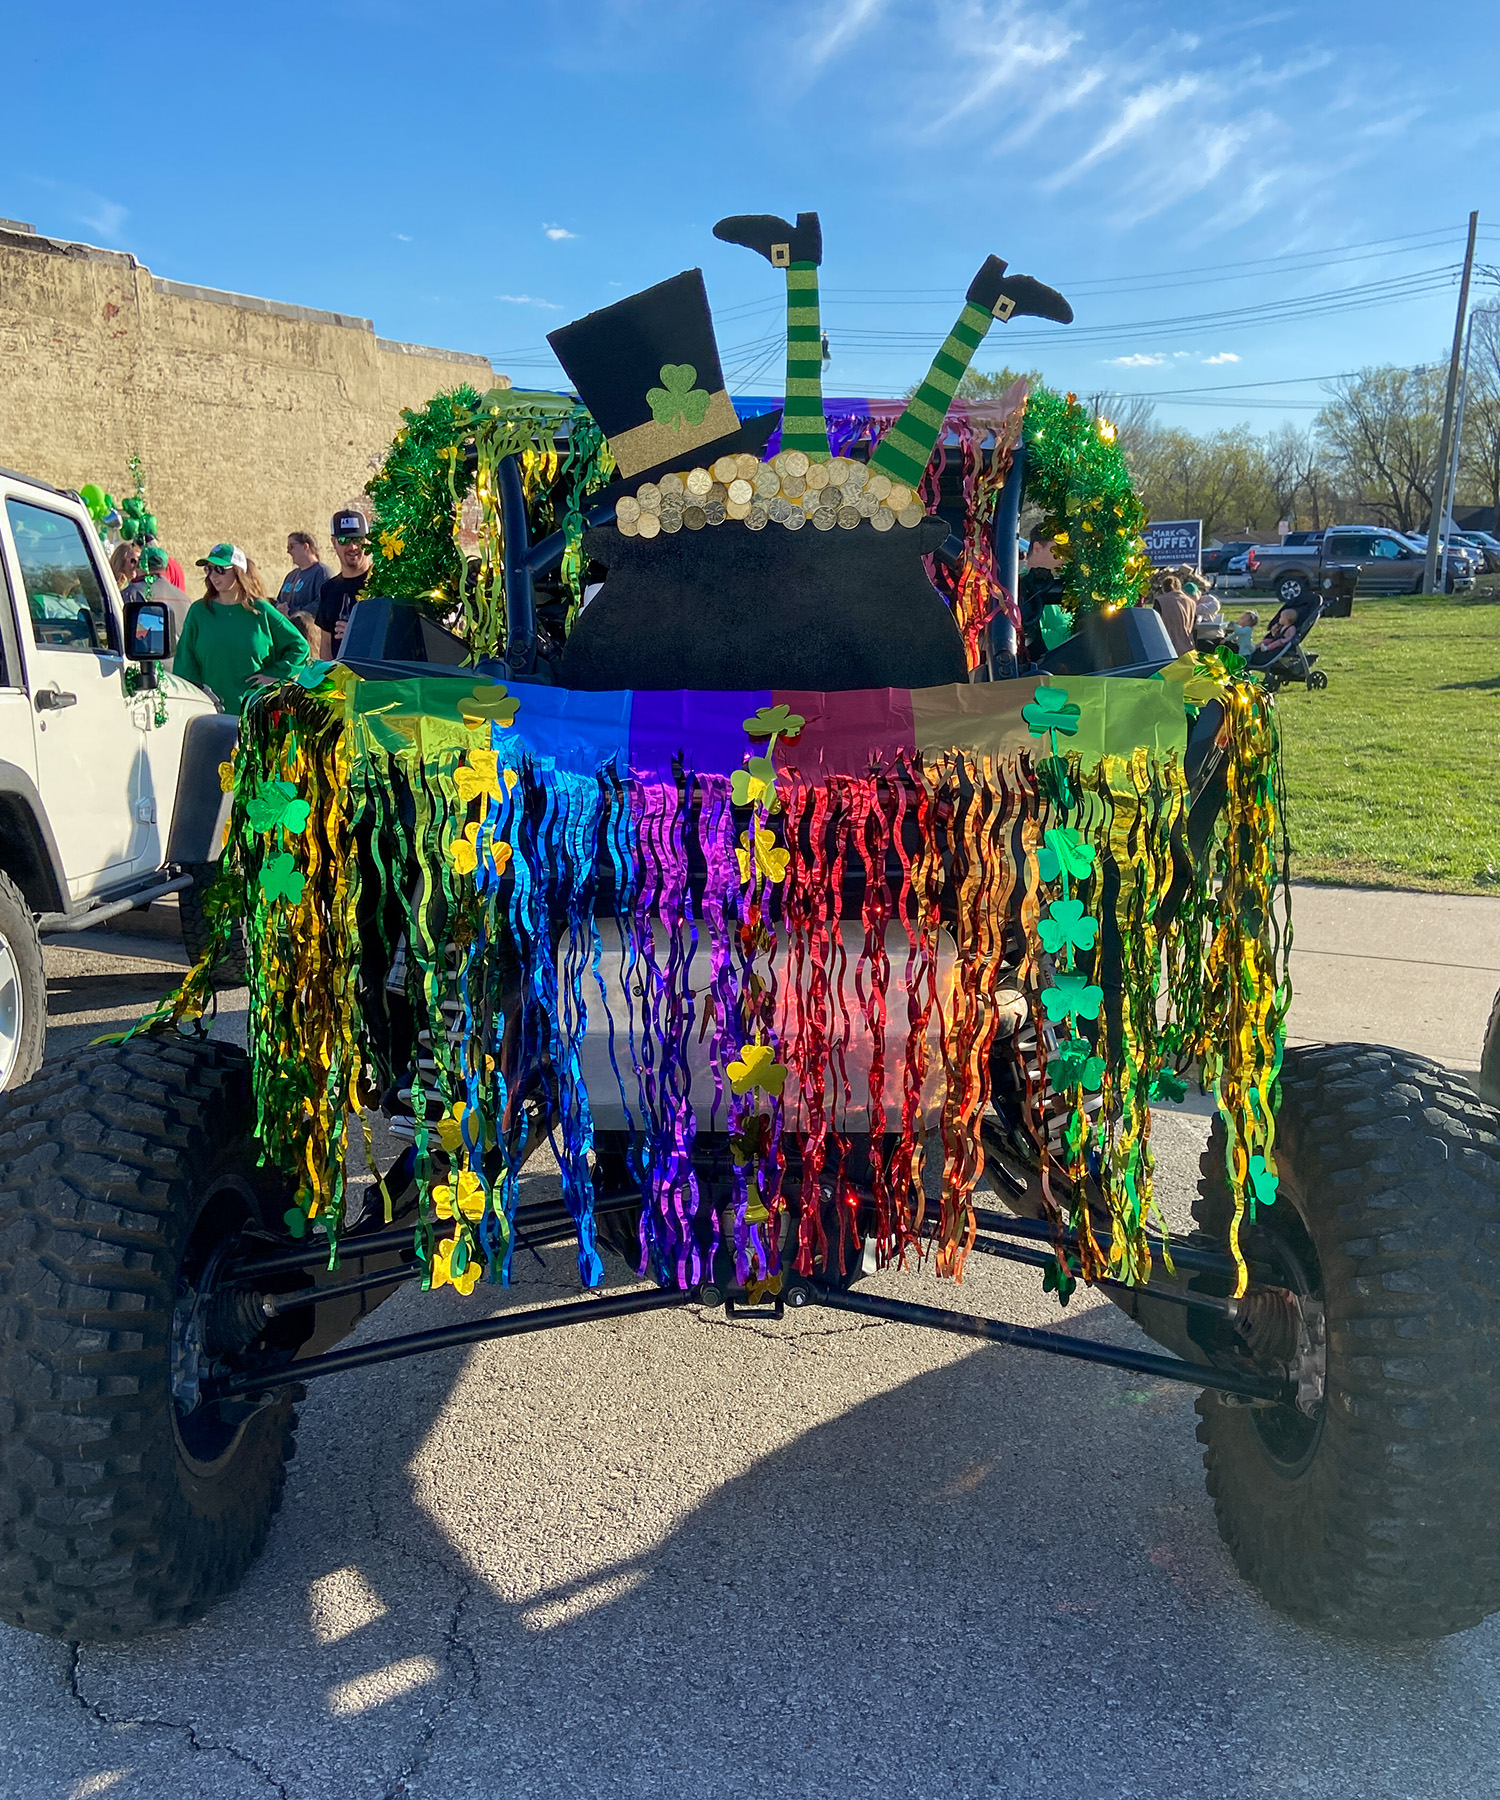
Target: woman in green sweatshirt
233,639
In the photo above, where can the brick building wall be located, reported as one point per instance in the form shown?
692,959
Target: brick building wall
252,418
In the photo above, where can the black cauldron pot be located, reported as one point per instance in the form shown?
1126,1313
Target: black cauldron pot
727,607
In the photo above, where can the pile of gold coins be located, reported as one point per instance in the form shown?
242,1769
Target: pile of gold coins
788,490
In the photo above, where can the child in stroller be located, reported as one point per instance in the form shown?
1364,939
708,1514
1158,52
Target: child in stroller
1280,655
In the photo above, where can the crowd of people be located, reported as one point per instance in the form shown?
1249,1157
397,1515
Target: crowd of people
236,637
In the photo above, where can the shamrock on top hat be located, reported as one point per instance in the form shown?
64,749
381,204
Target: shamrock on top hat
648,369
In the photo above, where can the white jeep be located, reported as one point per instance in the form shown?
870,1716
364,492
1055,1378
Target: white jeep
109,766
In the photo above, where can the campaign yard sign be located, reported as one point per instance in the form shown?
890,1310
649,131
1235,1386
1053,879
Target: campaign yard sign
1170,541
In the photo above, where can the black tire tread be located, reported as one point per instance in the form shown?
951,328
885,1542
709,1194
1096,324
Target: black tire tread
195,928
19,925
99,1155
1390,1533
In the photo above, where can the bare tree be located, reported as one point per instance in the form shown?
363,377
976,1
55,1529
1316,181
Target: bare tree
1479,469
1132,415
1381,428
1220,478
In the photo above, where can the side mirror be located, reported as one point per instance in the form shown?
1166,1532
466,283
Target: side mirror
150,631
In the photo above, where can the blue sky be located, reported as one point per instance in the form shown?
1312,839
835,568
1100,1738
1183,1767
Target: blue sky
471,175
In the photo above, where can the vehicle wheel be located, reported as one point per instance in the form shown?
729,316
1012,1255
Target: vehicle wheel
23,989
1292,590
1489,1058
1375,1515
1317,679
195,929
123,1510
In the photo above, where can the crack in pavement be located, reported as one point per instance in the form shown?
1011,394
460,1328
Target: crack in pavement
779,1334
203,1746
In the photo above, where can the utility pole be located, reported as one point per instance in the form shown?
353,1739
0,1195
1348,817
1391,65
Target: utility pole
1440,473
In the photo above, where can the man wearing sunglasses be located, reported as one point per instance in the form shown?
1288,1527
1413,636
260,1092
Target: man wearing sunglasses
350,531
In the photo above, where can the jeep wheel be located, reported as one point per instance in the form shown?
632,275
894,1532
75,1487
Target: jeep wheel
124,1508
23,989
195,928
1489,1058
1292,590
1372,1513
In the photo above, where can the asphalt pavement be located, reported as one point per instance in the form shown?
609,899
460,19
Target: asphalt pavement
682,1555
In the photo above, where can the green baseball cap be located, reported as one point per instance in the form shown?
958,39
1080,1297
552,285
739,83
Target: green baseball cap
223,556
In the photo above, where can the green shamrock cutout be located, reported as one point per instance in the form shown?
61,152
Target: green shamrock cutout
1071,997
1075,1065
774,721
1050,709
1064,852
1169,1086
489,703
1263,1184
276,805
280,880
1056,625
1059,1279
677,400
313,675
1067,924
746,786
295,1221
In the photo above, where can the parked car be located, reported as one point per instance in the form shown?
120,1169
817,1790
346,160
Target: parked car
1465,561
1302,537
1487,546
1387,562
1216,560
109,770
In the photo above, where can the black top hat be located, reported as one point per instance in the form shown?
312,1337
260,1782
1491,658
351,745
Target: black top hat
648,369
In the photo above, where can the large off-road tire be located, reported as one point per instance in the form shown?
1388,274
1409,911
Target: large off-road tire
195,930
23,989
1376,1517
121,1171
1489,1058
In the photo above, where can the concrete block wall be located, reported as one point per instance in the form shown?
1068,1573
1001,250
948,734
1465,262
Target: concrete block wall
252,417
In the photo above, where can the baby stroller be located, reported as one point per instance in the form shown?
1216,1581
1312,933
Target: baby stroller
1282,659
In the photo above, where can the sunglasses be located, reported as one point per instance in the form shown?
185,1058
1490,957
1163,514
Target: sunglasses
349,540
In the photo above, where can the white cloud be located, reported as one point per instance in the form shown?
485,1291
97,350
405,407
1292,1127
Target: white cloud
1139,361
528,300
557,233
841,24
400,237
1224,356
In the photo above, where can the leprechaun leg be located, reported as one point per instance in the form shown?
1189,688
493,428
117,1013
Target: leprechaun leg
803,426
799,250
904,451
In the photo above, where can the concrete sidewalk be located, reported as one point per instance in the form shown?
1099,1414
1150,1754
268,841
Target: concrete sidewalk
1418,971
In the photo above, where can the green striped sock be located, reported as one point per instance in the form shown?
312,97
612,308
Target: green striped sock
906,449
803,426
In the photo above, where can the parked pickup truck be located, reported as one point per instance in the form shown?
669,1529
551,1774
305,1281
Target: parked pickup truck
1387,563
109,768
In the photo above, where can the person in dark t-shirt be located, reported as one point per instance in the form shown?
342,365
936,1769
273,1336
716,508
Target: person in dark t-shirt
350,531
300,591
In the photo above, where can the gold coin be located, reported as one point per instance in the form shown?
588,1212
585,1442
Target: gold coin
714,512
795,519
627,509
694,518
793,462
648,525
793,486
899,496
626,527
883,520
699,481
745,465
810,501
880,486
911,514
670,484
855,476
833,495
671,519
848,517
825,518
648,497
767,482
866,502
837,467
726,468
756,517
817,475
740,491
778,509
717,492
737,509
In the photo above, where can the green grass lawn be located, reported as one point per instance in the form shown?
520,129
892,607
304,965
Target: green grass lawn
1393,770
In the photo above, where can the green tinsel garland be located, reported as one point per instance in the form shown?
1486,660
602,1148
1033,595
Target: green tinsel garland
453,447
1076,473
